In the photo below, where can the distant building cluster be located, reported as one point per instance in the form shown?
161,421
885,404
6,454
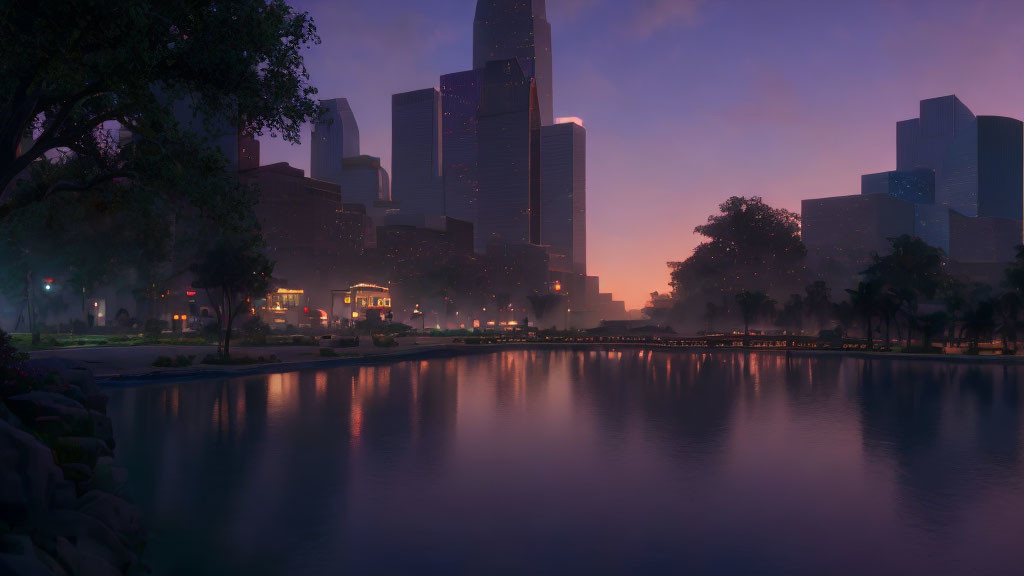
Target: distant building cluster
958,185
481,169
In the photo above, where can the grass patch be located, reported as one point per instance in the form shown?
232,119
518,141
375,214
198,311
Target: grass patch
214,360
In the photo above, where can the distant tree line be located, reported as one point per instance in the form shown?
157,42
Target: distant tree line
753,254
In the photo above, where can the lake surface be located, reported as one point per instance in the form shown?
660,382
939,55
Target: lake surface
584,462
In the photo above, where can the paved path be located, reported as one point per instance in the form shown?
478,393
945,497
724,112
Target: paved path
109,361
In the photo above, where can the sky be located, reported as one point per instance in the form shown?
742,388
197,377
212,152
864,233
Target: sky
688,102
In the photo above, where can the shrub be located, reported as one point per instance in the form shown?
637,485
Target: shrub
255,331
154,328
343,342
13,372
215,360
328,353
179,361
384,341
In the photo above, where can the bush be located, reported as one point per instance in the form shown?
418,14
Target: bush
180,361
343,342
154,328
384,341
328,353
255,331
12,363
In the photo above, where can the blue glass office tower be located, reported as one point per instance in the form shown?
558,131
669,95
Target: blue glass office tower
416,152
460,100
335,137
508,138
563,206
507,29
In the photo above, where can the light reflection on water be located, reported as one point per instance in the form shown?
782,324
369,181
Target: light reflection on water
619,461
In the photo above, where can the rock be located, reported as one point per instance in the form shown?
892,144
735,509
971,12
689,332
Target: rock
28,475
79,562
52,414
64,371
77,473
90,536
102,428
97,402
80,450
65,495
122,517
75,393
23,565
109,477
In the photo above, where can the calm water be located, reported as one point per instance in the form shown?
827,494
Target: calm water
535,462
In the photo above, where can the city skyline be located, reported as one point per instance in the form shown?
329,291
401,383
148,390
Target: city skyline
805,129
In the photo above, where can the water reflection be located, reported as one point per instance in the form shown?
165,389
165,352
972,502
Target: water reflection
611,461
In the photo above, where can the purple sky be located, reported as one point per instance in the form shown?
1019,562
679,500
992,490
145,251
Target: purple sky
687,102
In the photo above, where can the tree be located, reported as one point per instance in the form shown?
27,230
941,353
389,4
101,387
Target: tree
913,272
750,246
791,318
233,273
543,303
818,302
866,301
753,306
63,82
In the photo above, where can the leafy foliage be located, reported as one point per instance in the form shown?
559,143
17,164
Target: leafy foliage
63,80
750,246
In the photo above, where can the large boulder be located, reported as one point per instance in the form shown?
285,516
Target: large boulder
64,371
122,517
28,475
90,536
80,450
109,477
52,415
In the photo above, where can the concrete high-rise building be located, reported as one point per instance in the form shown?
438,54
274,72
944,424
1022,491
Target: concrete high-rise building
364,181
978,160
460,101
506,29
563,206
416,152
509,143
335,137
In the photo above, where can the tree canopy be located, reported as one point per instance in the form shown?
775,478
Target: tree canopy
750,246
71,70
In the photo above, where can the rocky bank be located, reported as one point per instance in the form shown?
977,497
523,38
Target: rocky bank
63,507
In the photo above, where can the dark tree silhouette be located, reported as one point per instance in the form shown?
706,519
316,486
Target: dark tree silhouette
750,246
753,306
233,272
63,81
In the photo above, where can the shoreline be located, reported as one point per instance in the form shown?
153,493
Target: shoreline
169,376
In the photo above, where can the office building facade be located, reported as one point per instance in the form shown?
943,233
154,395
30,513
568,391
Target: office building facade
460,102
564,195
508,201
334,138
416,152
517,29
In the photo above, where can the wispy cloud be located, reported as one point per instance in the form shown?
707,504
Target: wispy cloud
655,15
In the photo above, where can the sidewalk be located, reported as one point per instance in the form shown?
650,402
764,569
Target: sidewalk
126,363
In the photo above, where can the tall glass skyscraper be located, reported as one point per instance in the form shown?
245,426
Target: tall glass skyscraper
460,100
416,152
509,142
335,137
506,29
563,206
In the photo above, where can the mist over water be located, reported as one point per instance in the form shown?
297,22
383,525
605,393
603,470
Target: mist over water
598,462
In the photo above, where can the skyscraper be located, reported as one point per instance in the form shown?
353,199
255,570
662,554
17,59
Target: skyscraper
508,202
978,160
563,206
460,100
416,152
335,137
506,29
